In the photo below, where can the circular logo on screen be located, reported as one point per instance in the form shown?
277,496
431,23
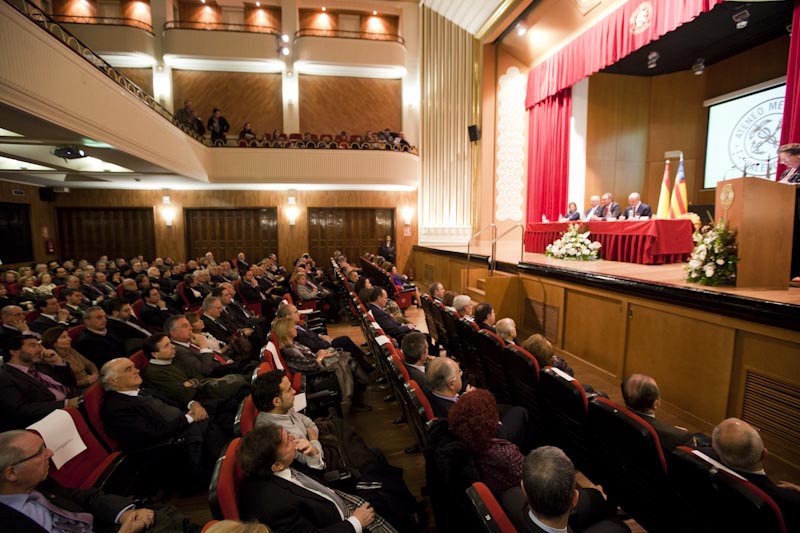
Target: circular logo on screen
641,18
756,137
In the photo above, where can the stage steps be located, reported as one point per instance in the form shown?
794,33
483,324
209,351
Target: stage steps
502,290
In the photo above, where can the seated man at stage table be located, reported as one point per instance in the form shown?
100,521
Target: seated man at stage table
594,209
32,501
636,209
642,396
739,447
609,209
550,500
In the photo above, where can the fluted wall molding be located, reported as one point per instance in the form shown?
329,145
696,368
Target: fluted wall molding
447,58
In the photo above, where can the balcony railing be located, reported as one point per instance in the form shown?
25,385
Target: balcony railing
62,34
219,26
345,34
107,21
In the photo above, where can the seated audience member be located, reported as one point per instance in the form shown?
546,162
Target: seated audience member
154,310
273,396
121,323
50,315
14,323
636,209
444,378
448,299
300,358
32,386
85,371
138,419
46,285
436,291
95,342
549,498
88,288
401,280
485,316
252,292
212,310
474,420
197,329
308,291
247,133
463,306
740,448
287,500
377,302
102,283
393,310
363,286
545,355
194,350
507,330
75,305
130,290
316,342
415,358
642,396
7,299
30,500
236,317
191,290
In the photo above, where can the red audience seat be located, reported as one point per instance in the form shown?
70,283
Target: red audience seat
253,307
490,349
91,402
137,308
140,361
31,316
491,515
57,292
223,493
246,417
74,332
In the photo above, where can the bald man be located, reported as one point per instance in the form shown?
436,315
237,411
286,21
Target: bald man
636,209
739,447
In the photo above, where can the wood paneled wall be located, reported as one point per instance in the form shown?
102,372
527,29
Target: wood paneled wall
352,231
616,140
263,16
241,96
137,10
315,19
330,104
42,216
195,12
89,233
387,24
143,77
230,231
292,240
75,8
633,121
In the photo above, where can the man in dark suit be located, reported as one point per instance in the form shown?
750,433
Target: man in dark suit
284,498
642,396
485,317
212,310
122,325
50,315
31,389
96,342
550,500
13,325
192,349
31,501
594,208
75,305
390,326
415,358
739,447
139,419
637,209
609,209
154,310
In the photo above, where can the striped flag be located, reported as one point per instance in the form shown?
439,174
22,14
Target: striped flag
663,198
679,203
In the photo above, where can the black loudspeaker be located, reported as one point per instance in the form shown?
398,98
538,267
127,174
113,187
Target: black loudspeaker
47,194
474,133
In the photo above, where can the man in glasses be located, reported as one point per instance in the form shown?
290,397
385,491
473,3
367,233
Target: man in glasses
31,501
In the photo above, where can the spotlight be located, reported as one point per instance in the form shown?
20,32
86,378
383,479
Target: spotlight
740,18
652,59
324,9
68,152
374,13
521,30
285,50
699,66
258,4
285,38
202,1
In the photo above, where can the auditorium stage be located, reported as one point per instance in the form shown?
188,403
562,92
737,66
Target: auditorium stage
659,282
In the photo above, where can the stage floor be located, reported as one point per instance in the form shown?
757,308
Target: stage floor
671,275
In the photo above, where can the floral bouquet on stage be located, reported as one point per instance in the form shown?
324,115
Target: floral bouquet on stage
714,258
574,245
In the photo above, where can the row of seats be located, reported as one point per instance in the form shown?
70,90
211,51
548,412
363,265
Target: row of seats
311,144
378,276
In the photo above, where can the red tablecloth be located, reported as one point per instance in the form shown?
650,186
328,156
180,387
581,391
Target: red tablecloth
648,242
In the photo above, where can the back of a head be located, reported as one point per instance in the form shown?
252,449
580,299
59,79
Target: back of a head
506,329
738,445
374,294
414,346
482,311
548,478
640,392
540,348
460,302
439,372
448,298
474,419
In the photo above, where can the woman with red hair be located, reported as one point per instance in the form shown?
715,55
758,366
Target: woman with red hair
474,420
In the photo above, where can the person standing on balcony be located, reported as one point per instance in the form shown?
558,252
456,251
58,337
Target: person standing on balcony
218,126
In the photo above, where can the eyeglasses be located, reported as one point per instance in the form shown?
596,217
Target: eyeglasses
37,454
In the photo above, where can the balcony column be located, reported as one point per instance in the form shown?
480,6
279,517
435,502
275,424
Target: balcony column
161,12
291,110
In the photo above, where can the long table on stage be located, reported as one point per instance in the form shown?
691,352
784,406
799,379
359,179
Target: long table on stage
647,242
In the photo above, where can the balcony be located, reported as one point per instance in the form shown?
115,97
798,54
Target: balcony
221,46
349,53
121,42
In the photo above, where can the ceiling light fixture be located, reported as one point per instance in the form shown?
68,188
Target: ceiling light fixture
324,9
258,4
374,12
521,29
68,152
699,66
285,38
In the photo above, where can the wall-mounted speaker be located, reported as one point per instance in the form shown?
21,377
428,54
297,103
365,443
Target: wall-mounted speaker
474,133
47,194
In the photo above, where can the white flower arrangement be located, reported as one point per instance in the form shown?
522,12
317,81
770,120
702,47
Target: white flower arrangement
574,245
713,260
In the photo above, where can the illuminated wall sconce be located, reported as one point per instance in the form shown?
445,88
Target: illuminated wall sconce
407,213
292,212
167,211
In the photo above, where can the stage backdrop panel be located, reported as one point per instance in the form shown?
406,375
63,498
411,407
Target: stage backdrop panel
330,104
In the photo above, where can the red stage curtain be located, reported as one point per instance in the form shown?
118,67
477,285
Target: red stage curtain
790,131
548,156
608,41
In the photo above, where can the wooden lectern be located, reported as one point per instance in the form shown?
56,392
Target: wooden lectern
763,213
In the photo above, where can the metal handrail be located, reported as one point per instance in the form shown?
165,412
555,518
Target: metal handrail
506,232
493,227
219,26
347,34
102,21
